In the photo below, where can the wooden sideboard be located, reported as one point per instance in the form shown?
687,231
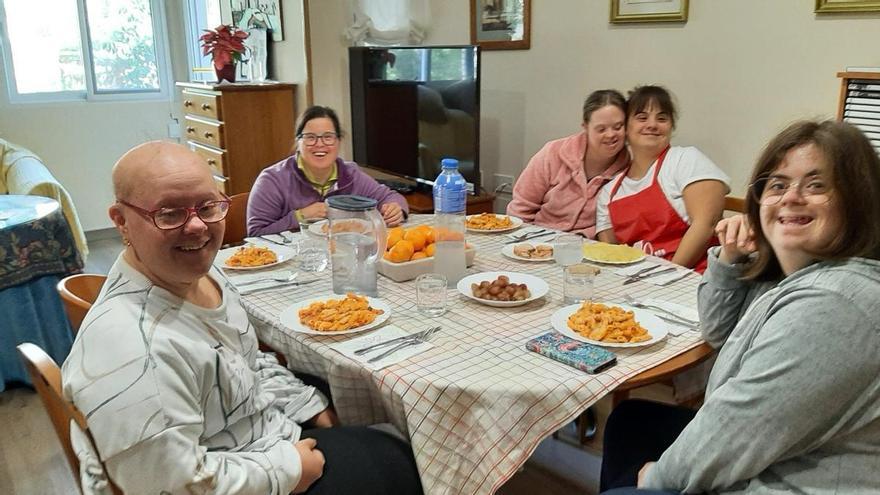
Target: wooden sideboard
239,128
422,202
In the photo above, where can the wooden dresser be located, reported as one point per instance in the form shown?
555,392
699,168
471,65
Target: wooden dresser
239,128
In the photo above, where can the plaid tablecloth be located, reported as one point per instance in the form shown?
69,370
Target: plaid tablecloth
477,404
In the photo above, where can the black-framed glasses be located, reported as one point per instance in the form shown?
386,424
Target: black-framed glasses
770,190
174,218
328,138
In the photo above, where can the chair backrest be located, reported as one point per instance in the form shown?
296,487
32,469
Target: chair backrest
46,377
78,292
732,203
236,219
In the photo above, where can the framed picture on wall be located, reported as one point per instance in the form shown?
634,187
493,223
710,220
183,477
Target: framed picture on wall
246,14
624,11
501,24
826,6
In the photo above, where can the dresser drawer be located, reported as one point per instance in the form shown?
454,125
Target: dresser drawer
204,131
215,158
221,183
206,105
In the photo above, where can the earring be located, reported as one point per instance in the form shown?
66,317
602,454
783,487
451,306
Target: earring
126,242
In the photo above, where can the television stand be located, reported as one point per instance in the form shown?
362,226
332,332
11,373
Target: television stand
396,185
423,202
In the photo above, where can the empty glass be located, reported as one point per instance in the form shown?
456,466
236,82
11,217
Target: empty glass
577,282
431,294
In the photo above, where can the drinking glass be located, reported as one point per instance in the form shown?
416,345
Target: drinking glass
431,294
312,255
568,249
577,283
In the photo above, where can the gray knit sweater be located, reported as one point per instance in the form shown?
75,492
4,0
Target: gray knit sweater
793,401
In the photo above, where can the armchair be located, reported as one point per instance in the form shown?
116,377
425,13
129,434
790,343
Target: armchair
22,172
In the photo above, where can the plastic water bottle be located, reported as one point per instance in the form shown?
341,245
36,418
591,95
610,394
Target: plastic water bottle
450,200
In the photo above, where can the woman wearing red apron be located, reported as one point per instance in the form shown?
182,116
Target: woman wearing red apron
671,196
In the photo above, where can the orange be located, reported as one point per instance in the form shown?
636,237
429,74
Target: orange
429,232
417,237
402,251
418,255
429,249
394,235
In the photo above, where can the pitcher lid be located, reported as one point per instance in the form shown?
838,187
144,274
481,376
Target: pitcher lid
351,202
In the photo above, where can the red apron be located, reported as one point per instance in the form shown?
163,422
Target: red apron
647,216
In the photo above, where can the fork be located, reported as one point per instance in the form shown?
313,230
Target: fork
284,238
528,235
406,343
417,335
671,316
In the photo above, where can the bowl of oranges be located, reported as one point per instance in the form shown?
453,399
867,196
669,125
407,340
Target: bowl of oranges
409,252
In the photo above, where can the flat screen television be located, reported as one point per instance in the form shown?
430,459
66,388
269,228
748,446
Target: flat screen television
412,106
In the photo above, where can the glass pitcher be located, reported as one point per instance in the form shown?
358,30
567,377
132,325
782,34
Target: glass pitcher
357,241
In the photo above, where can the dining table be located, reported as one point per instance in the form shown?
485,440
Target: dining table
476,404
37,249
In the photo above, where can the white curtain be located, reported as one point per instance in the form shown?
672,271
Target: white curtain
388,22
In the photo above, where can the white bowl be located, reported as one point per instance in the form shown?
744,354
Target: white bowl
537,287
408,270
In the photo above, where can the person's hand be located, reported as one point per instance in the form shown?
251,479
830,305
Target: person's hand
644,472
315,210
325,419
312,463
392,213
736,237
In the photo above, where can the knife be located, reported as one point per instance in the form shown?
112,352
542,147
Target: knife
270,240
530,236
248,291
649,275
644,271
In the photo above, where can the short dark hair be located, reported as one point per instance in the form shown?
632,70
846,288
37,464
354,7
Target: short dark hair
601,98
855,180
642,97
318,112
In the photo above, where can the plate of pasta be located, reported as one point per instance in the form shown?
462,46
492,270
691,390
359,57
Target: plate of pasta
612,254
252,257
609,325
335,314
491,223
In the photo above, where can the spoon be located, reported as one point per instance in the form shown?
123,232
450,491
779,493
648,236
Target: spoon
283,276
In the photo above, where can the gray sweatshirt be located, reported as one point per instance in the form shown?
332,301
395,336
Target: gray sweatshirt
793,401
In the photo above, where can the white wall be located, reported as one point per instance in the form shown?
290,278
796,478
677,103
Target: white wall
740,70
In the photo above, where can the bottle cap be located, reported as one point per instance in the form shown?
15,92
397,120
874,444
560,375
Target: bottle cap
449,163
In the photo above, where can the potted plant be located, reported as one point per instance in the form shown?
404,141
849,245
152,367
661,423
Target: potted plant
226,45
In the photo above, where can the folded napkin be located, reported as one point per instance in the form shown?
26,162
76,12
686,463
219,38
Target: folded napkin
245,283
381,334
677,309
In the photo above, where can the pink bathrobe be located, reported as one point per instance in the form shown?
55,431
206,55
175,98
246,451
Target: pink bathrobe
553,191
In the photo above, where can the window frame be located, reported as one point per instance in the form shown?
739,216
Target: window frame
91,93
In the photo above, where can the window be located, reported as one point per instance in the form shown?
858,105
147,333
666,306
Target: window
201,15
436,64
84,49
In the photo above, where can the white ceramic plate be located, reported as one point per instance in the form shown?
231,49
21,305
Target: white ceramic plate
597,259
317,228
508,251
515,224
290,316
537,287
655,326
281,252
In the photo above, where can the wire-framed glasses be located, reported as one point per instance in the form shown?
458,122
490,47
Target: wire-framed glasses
174,218
770,190
328,138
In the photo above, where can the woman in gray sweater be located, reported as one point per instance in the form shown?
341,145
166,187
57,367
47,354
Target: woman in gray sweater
792,301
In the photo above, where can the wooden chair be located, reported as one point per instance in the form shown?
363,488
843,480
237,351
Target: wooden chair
46,377
78,292
732,203
236,219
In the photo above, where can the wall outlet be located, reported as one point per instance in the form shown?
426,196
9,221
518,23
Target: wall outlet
499,179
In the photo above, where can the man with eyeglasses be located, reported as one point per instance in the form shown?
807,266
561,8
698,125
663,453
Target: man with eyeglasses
167,372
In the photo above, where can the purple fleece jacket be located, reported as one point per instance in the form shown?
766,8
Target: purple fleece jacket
281,189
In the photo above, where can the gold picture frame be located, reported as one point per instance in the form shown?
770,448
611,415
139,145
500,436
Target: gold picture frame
629,11
835,6
501,24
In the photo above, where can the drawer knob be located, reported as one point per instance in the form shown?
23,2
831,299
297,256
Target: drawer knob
190,130
187,103
205,106
212,161
209,135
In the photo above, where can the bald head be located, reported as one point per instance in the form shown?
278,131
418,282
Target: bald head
138,170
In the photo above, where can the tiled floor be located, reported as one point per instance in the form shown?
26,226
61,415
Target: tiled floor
31,460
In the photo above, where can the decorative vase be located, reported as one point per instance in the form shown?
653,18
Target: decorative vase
226,72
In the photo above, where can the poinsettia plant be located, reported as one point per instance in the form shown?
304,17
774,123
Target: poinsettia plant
225,44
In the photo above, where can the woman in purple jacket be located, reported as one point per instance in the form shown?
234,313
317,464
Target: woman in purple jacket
295,188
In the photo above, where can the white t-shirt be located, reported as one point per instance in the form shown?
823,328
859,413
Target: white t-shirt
681,167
